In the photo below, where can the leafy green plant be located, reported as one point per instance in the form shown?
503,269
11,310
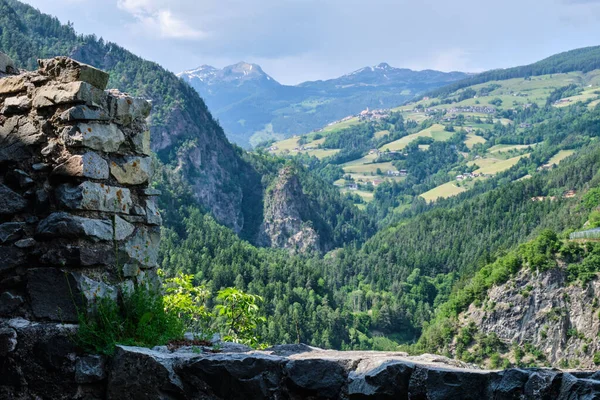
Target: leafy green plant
240,315
138,318
189,303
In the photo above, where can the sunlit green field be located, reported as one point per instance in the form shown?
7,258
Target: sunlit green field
561,155
369,168
446,190
492,166
473,139
436,132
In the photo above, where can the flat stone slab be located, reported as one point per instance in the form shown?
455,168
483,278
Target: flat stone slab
301,371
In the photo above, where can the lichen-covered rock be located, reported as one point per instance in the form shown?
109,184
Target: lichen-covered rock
90,369
132,170
142,247
95,196
11,231
102,137
88,165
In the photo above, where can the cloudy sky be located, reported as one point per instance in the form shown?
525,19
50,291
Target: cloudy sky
299,40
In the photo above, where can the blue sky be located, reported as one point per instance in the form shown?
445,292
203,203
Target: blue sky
299,40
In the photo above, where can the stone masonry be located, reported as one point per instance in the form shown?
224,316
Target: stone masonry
77,217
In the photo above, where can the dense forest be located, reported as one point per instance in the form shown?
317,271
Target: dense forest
396,262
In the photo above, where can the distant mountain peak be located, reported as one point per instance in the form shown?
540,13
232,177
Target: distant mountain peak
241,71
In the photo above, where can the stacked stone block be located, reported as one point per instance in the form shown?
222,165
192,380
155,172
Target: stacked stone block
77,217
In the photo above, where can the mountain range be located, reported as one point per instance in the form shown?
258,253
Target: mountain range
253,107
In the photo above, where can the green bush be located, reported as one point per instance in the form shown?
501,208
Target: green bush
138,319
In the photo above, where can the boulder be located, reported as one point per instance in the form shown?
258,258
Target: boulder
152,213
96,136
88,165
435,383
66,70
95,196
12,84
132,170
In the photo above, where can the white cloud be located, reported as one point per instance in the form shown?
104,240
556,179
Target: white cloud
156,19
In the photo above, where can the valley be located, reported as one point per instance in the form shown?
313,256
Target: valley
387,209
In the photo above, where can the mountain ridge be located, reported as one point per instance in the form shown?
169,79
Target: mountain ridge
253,107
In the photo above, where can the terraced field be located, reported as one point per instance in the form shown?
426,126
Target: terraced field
503,148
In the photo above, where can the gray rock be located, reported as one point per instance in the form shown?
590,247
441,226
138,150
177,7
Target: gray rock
11,257
11,231
8,341
95,196
142,247
126,109
578,389
130,270
132,170
54,294
435,383
18,136
152,213
89,165
153,371
152,192
19,178
64,69
141,143
12,84
62,224
9,303
68,93
10,202
40,167
90,369
316,377
102,137
7,65
543,384
13,105
380,379
85,113
232,376
25,243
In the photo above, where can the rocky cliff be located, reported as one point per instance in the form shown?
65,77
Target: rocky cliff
288,216
542,311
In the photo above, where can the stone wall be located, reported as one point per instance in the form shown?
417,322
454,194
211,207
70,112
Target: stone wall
76,214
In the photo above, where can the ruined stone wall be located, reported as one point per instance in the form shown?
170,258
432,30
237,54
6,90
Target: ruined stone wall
76,214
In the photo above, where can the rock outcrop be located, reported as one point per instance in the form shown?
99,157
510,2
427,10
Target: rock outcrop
558,318
288,216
